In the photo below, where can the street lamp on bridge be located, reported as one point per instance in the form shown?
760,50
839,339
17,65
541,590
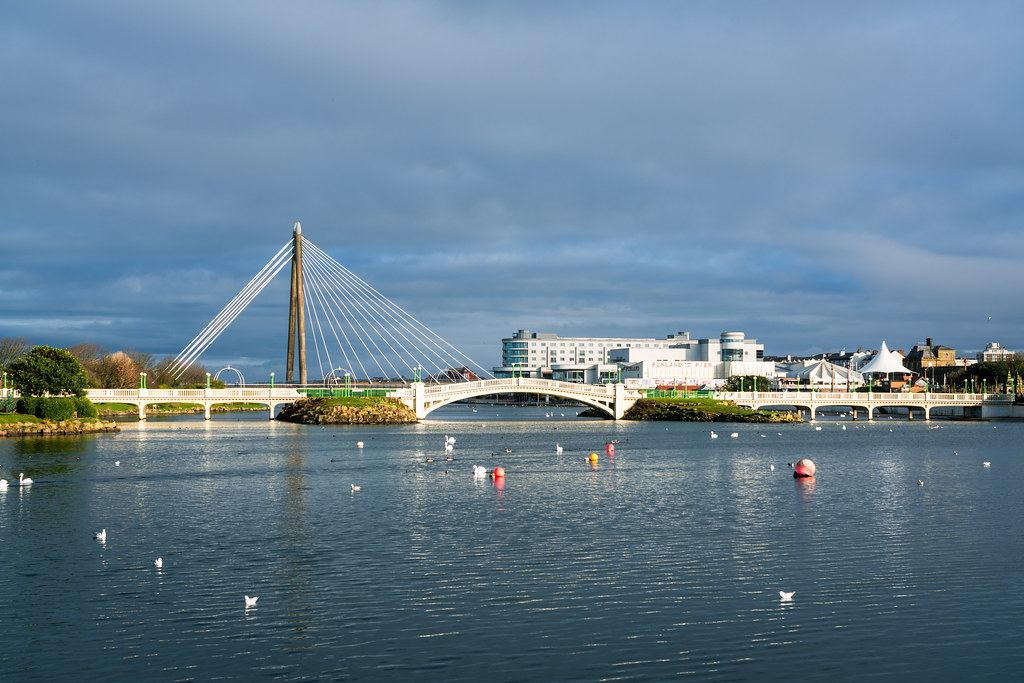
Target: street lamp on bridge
142,380
271,380
207,380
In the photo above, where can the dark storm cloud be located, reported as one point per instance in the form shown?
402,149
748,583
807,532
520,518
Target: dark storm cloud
816,176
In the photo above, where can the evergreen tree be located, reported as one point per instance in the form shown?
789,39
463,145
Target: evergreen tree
48,371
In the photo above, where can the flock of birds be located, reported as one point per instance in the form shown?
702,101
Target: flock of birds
101,536
479,471
920,482
22,481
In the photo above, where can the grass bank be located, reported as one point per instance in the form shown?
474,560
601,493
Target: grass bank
702,410
351,410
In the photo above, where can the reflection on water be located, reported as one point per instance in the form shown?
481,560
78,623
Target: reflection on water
664,558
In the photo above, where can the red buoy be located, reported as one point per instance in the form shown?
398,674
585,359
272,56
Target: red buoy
499,472
804,468
610,448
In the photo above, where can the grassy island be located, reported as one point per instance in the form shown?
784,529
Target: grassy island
352,410
15,424
698,410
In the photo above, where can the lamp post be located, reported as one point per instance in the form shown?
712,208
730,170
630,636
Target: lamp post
207,380
142,380
271,381
348,385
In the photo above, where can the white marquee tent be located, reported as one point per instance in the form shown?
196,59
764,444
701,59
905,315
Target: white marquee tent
884,362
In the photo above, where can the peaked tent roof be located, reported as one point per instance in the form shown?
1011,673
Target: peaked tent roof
885,362
823,371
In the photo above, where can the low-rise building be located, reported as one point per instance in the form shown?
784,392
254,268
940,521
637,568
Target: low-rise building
929,355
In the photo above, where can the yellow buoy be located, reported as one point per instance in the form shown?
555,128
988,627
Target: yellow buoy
593,457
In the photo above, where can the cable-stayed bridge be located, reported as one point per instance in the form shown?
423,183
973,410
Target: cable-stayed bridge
362,337
355,330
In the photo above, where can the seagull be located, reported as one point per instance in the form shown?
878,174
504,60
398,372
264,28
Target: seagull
734,435
23,480
920,483
986,464
117,463
772,467
100,535
818,429
354,487
158,562
251,602
558,449
786,597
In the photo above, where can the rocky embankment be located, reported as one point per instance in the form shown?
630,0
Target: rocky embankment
344,411
675,410
62,428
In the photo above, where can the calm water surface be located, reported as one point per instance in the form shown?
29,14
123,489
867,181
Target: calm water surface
664,560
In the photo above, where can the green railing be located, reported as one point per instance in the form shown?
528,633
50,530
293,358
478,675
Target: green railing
344,393
679,393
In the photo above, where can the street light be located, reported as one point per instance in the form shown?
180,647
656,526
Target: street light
271,380
207,380
142,380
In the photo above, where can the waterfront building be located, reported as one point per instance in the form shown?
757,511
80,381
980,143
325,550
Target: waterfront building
994,352
676,359
929,355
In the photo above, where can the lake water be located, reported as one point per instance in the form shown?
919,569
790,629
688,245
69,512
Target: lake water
664,560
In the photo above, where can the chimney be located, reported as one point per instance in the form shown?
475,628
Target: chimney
928,341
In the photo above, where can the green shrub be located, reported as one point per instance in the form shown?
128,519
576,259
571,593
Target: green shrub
85,408
56,409
27,405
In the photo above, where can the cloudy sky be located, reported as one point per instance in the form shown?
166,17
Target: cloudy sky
817,175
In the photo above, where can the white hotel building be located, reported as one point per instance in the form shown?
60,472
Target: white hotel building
676,359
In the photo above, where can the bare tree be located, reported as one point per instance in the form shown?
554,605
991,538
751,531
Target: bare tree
12,348
90,356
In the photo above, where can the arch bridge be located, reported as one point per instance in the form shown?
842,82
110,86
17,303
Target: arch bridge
987,405
613,399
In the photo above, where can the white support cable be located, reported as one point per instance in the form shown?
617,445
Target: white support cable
361,298
362,295
314,273
310,308
227,315
423,331
343,307
230,311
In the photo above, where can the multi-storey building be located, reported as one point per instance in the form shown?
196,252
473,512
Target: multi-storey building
994,352
676,358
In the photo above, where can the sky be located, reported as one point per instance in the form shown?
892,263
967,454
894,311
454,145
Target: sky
816,175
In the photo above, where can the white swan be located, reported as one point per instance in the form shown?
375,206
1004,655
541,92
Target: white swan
479,471
23,480
734,435
251,602
100,535
158,562
558,449
117,463
786,597
714,436
4,484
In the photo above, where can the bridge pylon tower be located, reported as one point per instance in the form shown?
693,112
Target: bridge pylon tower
296,311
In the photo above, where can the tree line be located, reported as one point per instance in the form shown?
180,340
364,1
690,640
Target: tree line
100,367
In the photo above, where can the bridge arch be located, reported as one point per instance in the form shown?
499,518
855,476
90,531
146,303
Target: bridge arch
431,406
612,399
